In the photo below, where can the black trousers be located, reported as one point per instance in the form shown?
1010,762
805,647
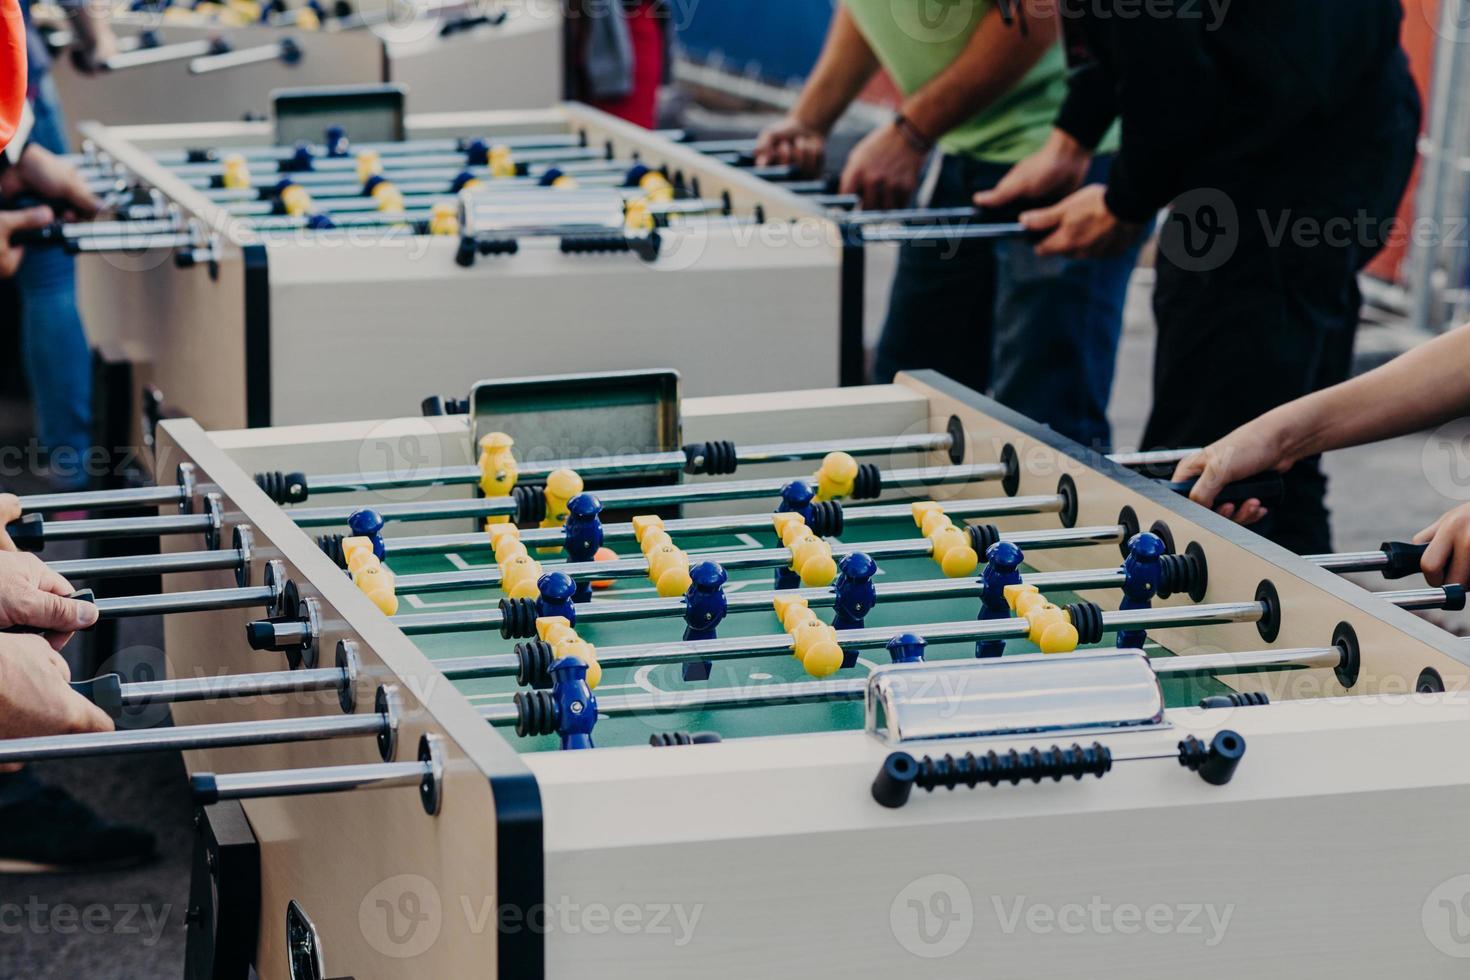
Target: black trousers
1269,313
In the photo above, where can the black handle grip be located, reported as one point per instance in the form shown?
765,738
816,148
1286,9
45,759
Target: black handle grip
28,533
104,691
1265,487
82,595
46,235
1404,559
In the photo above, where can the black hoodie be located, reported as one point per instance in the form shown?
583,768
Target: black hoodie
1269,101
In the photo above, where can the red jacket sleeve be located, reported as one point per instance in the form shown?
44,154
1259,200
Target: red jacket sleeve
12,68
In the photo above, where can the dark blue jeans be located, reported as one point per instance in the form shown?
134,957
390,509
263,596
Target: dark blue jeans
58,362
1040,334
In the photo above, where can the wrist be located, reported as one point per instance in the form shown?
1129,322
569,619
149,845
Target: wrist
1065,146
913,134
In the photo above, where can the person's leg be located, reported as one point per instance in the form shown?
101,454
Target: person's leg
1057,325
646,26
55,353
939,309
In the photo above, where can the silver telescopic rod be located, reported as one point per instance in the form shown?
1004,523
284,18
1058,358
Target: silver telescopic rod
163,53
722,524
621,610
234,686
125,527
133,243
119,229
1432,598
907,216
225,735
210,600
43,503
304,782
741,647
942,233
1351,561
181,158
1253,662
1152,457
208,63
683,493
757,558
635,463
161,564
854,689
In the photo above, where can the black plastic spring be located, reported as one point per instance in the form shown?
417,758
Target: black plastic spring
517,618
664,739
331,545
1182,573
1087,617
435,405
901,771
533,664
982,536
1216,762
470,247
594,244
710,458
536,713
1236,699
283,488
869,482
827,519
530,503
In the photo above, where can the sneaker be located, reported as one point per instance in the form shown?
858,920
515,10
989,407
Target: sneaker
52,832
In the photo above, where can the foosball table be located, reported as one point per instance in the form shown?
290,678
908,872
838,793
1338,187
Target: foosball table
182,65
509,239
548,687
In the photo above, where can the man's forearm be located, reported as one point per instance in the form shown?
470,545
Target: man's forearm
992,64
846,64
1426,386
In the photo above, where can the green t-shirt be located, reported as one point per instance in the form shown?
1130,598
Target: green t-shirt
917,39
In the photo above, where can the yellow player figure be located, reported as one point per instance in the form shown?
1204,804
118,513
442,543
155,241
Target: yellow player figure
237,173
835,478
368,164
443,220
561,487
498,471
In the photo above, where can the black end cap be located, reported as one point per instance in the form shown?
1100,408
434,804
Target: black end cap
260,635
895,780
28,533
204,788
1454,598
1227,748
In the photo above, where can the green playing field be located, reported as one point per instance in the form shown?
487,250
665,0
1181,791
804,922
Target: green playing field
750,675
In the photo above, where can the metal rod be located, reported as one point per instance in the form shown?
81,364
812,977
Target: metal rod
1350,561
684,493
161,564
125,527
43,503
185,602
1252,662
320,779
163,53
1432,598
225,735
634,464
943,233
605,610
205,64
741,647
235,686
175,158
734,524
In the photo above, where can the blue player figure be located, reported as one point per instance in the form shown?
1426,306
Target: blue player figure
338,145
907,648
796,498
704,610
1002,560
583,535
557,590
1142,574
368,523
576,708
855,594
301,159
